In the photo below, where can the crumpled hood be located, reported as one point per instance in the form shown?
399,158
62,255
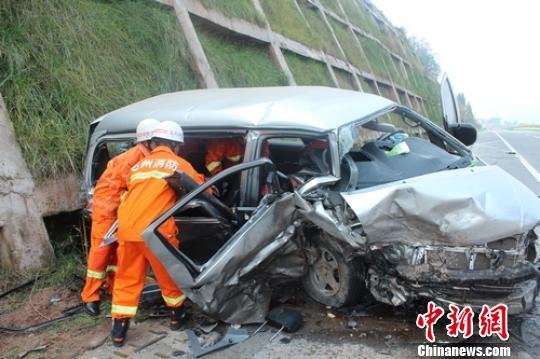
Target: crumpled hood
469,206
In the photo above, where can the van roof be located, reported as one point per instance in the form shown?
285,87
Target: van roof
311,108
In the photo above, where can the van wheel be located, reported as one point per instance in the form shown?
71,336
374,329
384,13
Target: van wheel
331,280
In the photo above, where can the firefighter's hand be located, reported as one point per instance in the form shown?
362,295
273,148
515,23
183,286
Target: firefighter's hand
175,183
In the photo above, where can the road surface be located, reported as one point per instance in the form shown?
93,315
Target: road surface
516,152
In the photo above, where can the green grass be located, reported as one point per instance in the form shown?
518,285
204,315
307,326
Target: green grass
319,27
402,98
350,46
386,91
376,56
239,63
332,5
307,71
359,17
345,79
369,86
242,9
285,19
66,62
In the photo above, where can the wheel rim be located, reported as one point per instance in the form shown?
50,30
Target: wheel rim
325,274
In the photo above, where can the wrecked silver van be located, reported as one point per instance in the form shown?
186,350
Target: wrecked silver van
345,192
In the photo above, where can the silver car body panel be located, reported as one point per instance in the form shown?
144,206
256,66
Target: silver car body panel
469,206
224,287
311,108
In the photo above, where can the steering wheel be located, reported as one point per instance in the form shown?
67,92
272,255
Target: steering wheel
387,142
388,135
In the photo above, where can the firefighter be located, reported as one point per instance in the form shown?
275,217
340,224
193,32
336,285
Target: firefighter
223,153
106,198
226,152
148,196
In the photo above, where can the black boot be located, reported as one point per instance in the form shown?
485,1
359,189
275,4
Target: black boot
92,308
179,317
119,331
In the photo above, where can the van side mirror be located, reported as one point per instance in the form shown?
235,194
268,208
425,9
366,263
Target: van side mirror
465,132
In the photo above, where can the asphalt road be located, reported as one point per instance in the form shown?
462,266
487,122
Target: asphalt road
516,152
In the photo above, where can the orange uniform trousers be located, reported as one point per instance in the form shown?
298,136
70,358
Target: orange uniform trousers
100,261
133,260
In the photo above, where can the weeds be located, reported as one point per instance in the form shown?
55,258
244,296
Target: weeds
307,71
65,62
375,55
332,5
285,18
243,9
318,27
239,63
345,79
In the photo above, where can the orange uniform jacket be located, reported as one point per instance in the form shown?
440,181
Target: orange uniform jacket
223,153
114,181
149,195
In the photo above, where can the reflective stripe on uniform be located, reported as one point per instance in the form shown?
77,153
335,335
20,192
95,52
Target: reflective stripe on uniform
234,158
174,301
123,309
146,175
213,165
95,274
111,268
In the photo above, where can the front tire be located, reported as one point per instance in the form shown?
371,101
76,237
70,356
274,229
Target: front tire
332,280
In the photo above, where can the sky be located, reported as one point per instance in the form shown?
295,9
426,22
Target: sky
490,50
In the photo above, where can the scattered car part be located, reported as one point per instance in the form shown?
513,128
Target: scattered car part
286,319
232,336
283,318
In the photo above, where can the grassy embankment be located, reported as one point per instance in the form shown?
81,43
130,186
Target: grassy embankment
65,62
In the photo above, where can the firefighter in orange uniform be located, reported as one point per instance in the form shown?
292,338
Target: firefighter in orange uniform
106,198
223,153
227,152
148,196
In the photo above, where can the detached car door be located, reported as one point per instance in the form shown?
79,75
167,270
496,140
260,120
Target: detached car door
226,284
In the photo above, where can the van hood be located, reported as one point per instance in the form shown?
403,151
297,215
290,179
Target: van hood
469,206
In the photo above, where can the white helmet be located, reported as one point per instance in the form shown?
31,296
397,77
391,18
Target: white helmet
169,130
145,128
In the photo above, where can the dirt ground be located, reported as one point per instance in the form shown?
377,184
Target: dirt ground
372,330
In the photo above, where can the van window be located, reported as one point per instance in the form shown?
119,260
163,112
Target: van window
105,151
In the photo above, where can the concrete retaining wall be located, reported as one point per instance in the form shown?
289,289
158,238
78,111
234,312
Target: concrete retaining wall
24,242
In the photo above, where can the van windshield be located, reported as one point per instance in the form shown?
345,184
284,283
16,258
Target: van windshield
395,146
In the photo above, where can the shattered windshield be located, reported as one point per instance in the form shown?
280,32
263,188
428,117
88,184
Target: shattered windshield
396,146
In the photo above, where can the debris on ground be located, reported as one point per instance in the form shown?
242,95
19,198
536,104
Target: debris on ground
36,349
232,336
153,341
